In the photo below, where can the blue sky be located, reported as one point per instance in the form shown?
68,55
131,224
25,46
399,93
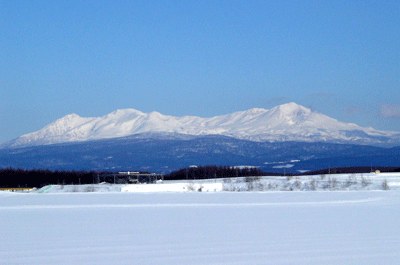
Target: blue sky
202,58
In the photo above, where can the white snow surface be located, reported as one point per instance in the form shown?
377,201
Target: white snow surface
304,227
327,182
288,122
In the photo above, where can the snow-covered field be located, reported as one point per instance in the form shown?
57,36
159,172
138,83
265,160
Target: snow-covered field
274,227
333,182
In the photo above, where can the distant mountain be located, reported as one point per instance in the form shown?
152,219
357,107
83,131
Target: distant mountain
165,152
288,122
287,138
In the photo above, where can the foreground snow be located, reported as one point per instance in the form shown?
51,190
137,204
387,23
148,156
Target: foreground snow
336,227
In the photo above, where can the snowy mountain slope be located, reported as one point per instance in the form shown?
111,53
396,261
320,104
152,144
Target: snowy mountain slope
288,122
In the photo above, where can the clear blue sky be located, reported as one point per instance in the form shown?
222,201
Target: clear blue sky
202,58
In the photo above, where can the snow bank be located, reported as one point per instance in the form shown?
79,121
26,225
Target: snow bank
327,182
103,187
173,187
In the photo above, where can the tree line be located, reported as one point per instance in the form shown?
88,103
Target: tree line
208,172
15,178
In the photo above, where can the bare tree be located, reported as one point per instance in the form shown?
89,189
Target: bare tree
190,186
365,181
74,188
385,184
350,181
313,184
297,183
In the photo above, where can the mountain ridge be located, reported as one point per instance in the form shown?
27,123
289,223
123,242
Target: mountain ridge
165,152
287,122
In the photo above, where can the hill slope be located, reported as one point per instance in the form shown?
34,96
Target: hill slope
163,153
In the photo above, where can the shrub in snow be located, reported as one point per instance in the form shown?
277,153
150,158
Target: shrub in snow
331,183
385,184
259,186
313,184
297,183
193,187
89,189
190,187
365,181
271,186
350,181
334,183
249,186
286,187
250,183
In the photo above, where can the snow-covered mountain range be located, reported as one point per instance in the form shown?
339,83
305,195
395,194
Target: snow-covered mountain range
287,122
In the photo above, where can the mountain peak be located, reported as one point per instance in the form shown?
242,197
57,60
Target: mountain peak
72,115
287,122
68,118
124,112
68,121
290,111
292,108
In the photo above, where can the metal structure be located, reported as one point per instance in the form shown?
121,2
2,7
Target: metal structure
127,177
